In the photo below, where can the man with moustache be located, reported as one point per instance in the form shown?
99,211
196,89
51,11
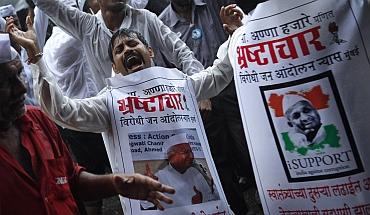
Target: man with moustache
95,33
37,173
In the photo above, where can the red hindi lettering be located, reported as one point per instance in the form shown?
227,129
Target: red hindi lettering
150,104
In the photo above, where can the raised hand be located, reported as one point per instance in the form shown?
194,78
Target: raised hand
198,197
205,105
231,17
27,40
142,187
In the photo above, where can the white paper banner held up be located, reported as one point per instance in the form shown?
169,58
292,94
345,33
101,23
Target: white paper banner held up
152,111
302,75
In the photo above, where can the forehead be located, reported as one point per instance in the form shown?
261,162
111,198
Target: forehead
302,103
181,146
124,38
300,106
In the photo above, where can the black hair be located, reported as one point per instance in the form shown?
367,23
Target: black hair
121,33
85,7
2,66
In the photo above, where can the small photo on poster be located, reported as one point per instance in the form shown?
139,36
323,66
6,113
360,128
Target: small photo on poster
174,158
311,130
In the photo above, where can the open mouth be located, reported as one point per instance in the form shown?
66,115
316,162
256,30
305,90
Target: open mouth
133,62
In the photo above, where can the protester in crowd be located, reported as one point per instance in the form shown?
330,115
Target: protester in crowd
192,186
199,24
92,114
66,58
95,32
92,6
38,175
197,21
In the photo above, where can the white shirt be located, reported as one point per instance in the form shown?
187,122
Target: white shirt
184,185
138,3
95,37
40,25
65,57
92,114
17,4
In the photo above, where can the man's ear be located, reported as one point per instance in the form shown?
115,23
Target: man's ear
115,68
151,52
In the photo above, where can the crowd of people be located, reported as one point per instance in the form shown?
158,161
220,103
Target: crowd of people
54,58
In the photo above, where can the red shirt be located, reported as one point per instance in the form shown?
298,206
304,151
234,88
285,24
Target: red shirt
52,165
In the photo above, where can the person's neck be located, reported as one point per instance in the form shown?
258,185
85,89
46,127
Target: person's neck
187,15
113,20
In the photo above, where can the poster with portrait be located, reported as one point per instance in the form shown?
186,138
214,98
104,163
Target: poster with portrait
302,70
311,129
158,132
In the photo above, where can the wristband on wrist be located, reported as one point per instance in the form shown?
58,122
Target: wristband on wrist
40,54
31,59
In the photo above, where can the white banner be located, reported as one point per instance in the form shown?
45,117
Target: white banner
153,110
302,75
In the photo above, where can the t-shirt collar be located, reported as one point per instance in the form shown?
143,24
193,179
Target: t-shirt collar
174,18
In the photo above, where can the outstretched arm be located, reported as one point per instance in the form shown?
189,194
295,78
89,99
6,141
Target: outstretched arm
211,81
90,115
70,19
134,186
41,22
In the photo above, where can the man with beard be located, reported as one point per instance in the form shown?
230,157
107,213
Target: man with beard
37,173
95,32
